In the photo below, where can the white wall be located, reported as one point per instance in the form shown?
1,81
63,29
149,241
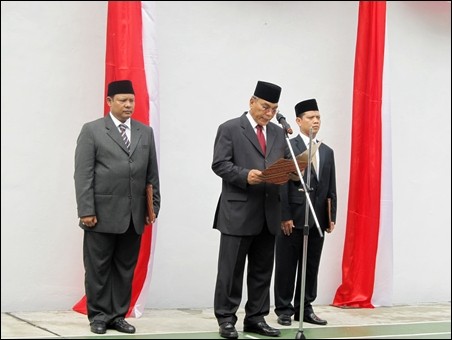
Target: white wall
210,58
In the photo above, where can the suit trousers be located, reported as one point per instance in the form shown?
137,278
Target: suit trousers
289,260
234,251
109,261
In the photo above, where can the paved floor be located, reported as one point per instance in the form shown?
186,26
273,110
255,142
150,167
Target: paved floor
424,321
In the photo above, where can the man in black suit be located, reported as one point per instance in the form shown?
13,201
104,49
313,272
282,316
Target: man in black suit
115,158
248,214
289,242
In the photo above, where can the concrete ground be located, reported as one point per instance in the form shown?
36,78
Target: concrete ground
423,321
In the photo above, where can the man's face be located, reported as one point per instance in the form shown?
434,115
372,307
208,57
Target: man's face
307,120
122,106
262,111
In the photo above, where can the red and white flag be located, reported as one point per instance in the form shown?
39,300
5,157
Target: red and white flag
131,54
367,257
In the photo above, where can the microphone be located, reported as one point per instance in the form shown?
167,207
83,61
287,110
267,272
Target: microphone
282,120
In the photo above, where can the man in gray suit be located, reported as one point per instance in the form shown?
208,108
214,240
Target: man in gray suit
248,214
115,159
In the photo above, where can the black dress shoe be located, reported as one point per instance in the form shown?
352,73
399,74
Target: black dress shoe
98,327
227,330
261,328
284,320
121,325
312,318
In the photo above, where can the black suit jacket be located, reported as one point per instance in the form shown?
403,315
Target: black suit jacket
294,200
243,209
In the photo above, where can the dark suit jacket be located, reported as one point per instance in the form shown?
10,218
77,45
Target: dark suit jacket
293,200
109,182
243,209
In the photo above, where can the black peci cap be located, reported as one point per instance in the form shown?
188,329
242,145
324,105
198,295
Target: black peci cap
306,105
267,91
120,86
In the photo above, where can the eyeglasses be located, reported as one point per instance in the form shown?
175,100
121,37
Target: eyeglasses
268,108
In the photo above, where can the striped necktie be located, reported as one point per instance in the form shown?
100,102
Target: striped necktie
122,128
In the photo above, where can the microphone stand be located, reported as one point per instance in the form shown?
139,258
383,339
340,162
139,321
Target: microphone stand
306,189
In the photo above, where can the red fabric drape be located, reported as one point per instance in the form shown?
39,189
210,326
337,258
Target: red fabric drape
363,215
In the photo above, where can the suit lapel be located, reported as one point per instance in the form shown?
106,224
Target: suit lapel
136,136
271,136
113,132
250,133
300,146
322,154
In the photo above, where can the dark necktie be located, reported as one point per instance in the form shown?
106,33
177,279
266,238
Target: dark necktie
261,138
122,128
314,159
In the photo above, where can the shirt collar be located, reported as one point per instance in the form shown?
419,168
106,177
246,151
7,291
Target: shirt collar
306,140
117,122
253,122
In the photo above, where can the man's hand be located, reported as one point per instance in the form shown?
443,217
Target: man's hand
287,226
89,221
331,228
150,220
294,177
255,177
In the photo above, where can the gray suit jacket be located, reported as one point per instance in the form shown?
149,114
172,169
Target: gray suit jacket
243,209
109,182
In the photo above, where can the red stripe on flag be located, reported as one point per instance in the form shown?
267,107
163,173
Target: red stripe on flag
124,60
363,216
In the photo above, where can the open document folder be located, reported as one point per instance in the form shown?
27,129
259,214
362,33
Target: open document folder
278,172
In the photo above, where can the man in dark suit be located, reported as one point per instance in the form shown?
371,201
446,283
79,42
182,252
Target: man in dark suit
115,159
289,242
248,214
